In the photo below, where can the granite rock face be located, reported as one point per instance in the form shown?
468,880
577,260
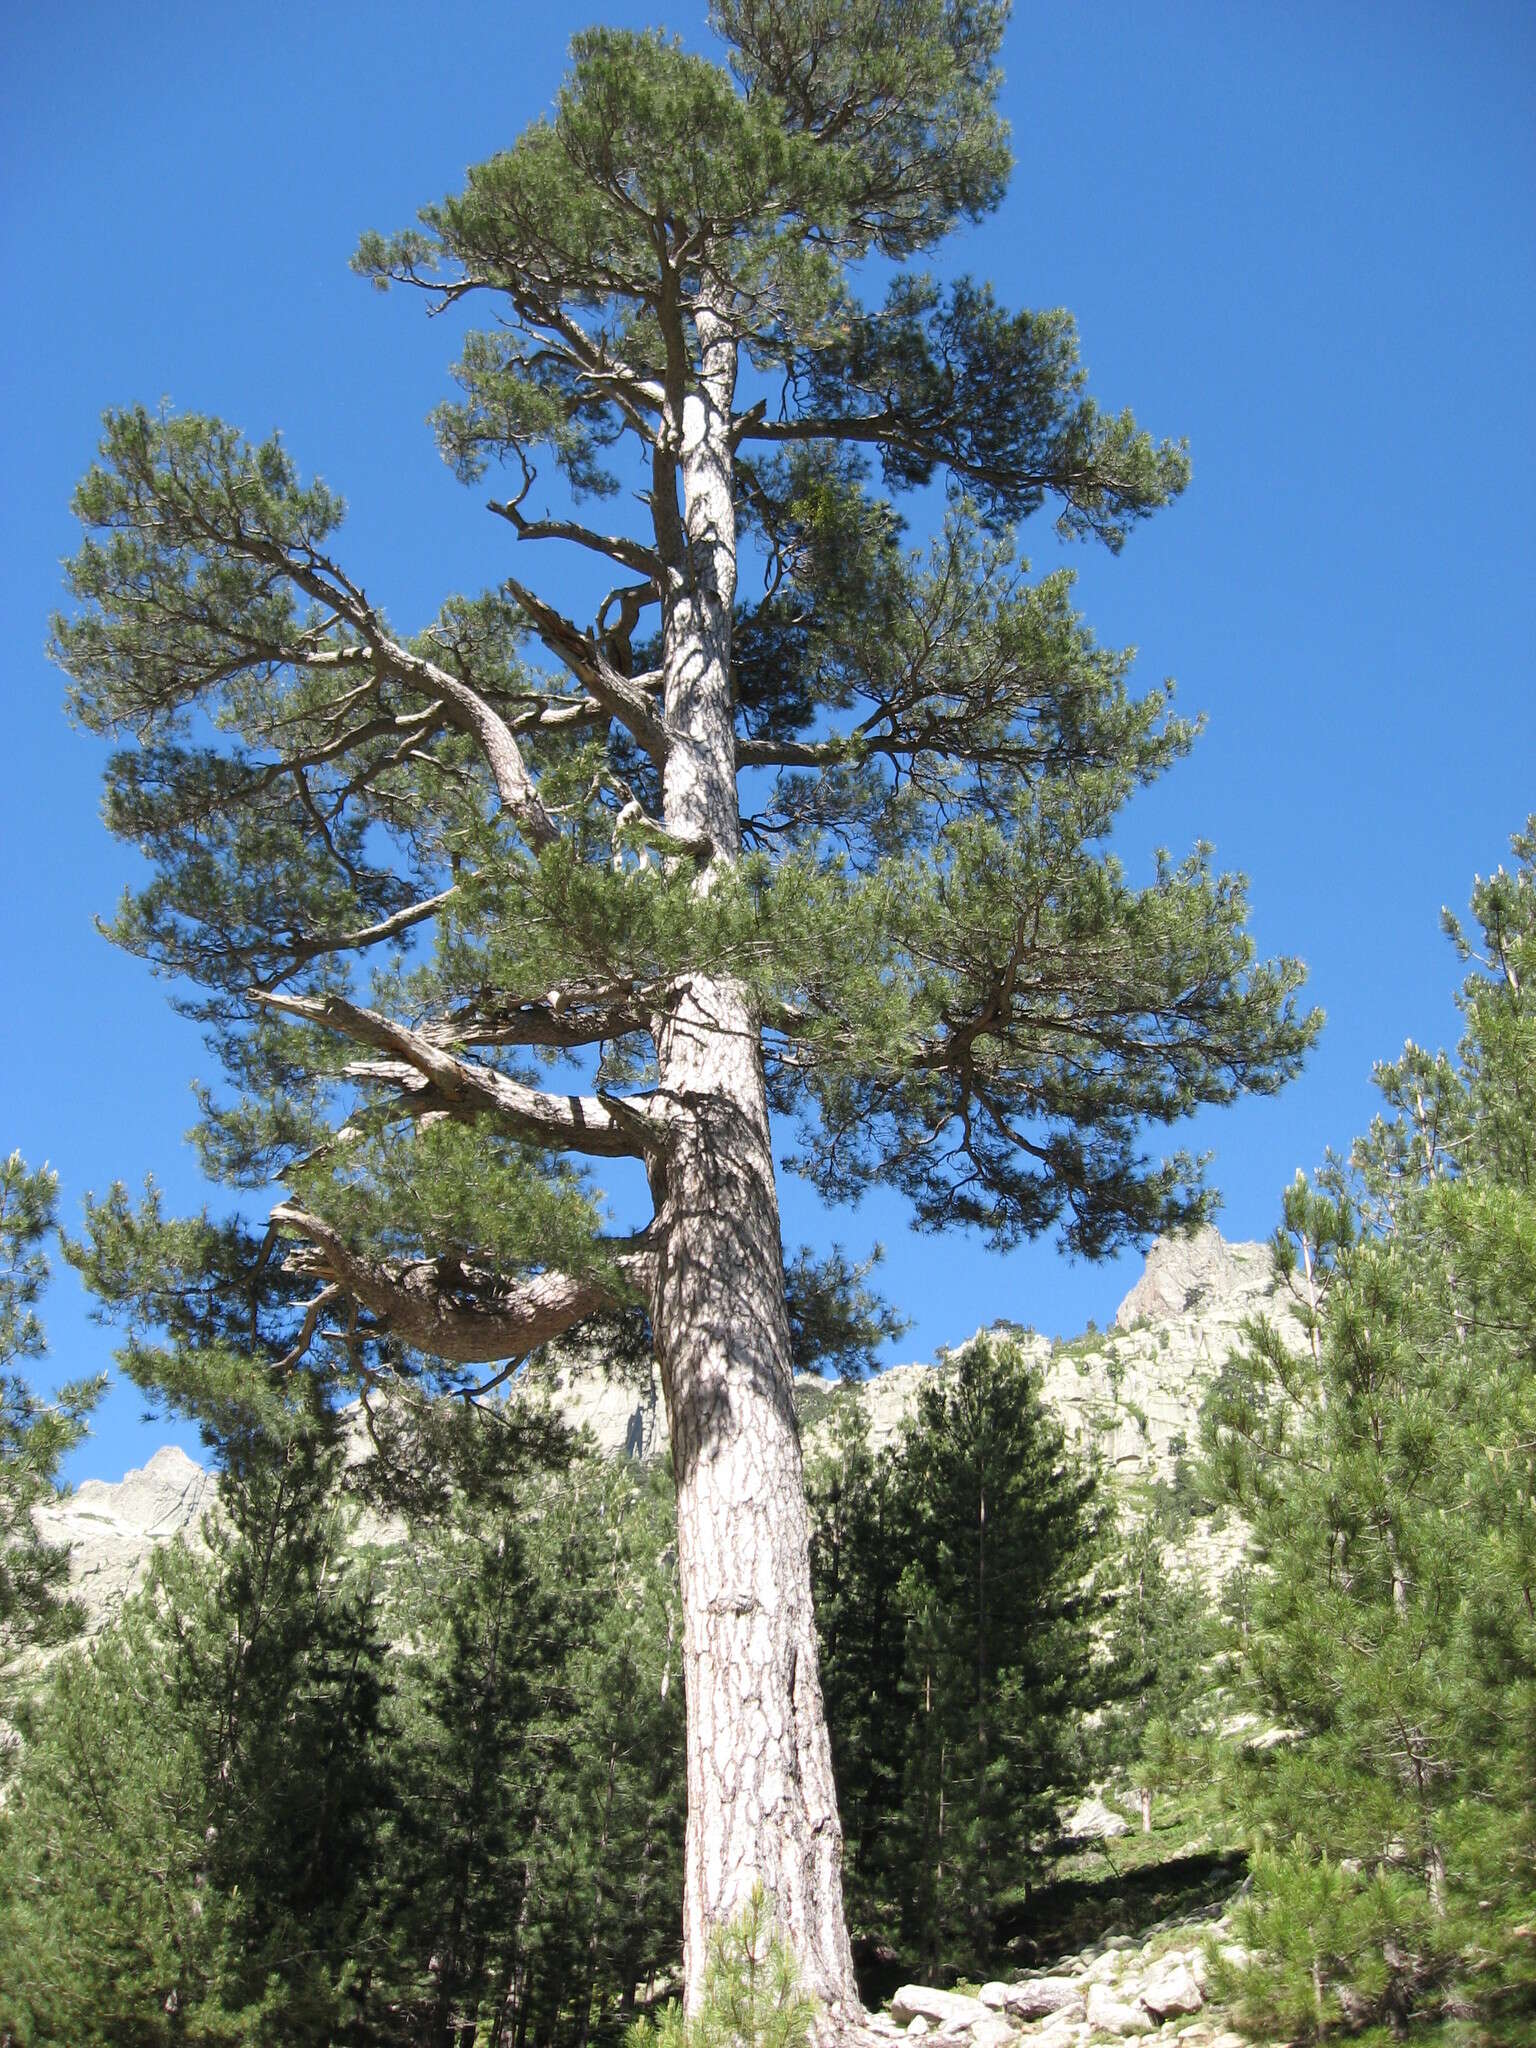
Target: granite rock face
1185,1274
113,1528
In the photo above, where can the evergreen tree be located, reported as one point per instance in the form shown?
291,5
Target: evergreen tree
186,1845
837,850
531,1873
1161,1643
1386,1458
858,1548
34,1434
956,1584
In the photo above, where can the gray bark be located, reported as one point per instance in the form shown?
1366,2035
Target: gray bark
762,1806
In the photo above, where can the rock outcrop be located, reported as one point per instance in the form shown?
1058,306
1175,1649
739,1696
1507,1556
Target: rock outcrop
113,1528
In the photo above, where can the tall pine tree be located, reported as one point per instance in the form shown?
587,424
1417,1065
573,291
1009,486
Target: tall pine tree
835,850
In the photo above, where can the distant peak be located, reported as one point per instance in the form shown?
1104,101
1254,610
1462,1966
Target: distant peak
1185,1274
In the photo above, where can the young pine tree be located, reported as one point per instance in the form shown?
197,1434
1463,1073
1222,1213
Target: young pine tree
530,1875
834,850
1161,1640
956,1575
1387,1461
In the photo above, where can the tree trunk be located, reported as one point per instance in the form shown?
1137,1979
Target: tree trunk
762,1806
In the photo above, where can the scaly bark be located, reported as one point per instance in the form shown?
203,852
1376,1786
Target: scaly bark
762,1805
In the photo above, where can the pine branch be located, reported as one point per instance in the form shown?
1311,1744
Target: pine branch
463,1314
608,1129
629,554
622,697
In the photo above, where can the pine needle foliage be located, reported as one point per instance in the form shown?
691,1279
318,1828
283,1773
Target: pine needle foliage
959,1575
35,1434
751,1992
1384,1455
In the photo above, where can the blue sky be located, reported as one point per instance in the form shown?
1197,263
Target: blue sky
1298,235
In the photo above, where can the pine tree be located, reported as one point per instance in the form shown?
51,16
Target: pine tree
835,851
859,1538
958,1585
1161,1640
34,1434
186,1846
1386,1457
531,1871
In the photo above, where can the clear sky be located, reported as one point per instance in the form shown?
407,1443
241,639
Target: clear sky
1300,235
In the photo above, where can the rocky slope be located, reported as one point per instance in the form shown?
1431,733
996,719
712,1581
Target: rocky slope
1134,1392
1117,1990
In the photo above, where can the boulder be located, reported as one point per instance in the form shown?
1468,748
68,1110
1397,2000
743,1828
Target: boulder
1171,1991
1038,1997
917,2028
1105,1968
951,2011
1093,1821
992,2032
994,1996
1112,2014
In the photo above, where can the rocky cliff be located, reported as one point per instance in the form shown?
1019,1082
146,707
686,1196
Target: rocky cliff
114,1528
1133,1392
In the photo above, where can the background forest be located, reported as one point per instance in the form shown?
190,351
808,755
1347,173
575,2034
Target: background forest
311,1787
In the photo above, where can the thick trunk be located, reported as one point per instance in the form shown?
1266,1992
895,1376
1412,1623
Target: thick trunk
762,1807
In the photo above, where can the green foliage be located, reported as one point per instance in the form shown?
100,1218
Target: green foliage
1161,1642
1386,1465
238,1821
187,1843
961,995
834,1318
530,1868
955,1591
34,1434
751,1995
